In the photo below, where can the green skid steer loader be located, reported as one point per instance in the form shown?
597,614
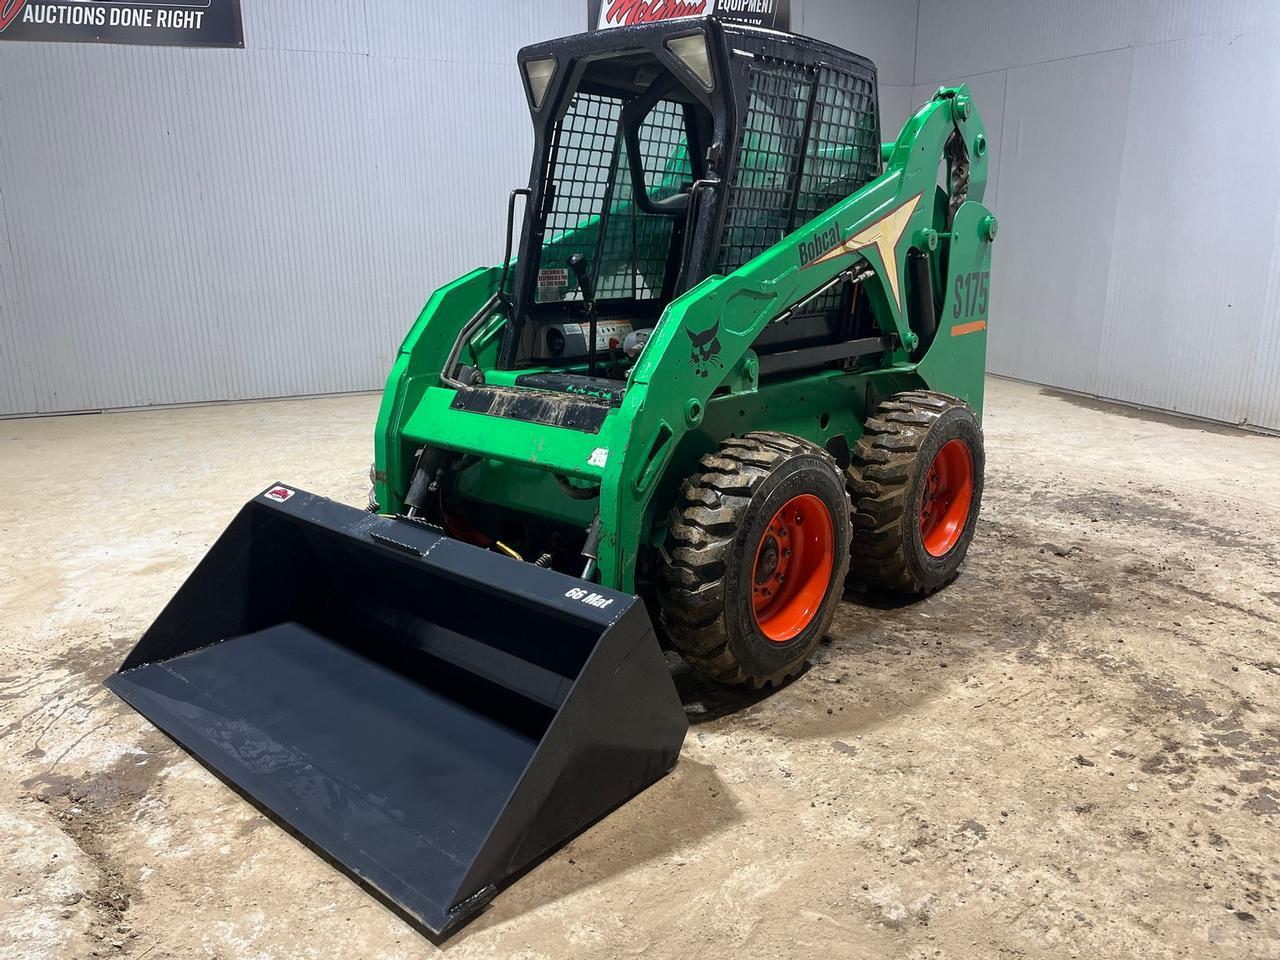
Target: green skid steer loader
737,357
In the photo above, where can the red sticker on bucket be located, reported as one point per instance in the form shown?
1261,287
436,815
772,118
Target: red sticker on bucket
278,494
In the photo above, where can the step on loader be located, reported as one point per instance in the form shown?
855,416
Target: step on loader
735,357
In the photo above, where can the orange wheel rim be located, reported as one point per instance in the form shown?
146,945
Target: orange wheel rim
946,498
792,567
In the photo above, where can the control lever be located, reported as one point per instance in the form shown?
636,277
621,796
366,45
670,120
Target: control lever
578,264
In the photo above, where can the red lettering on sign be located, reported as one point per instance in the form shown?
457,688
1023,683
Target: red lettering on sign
624,13
9,10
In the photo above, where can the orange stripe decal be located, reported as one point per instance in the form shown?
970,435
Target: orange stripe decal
959,330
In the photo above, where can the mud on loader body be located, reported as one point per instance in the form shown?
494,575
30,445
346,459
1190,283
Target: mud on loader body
738,353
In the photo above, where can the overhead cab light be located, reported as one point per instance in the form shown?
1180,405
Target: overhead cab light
539,74
693,53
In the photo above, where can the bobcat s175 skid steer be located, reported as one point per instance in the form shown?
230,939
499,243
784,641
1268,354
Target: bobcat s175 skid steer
736,356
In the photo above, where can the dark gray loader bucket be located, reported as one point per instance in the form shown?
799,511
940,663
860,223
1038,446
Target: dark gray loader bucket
431,716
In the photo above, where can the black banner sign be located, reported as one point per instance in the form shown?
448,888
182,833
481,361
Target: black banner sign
181,23
605,14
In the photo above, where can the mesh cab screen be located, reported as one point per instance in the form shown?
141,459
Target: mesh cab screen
844,149
810,139
592,211
769,162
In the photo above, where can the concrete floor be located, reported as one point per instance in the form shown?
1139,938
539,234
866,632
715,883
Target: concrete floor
1072,751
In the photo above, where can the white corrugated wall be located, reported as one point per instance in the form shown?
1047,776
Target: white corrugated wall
1134,156
180,225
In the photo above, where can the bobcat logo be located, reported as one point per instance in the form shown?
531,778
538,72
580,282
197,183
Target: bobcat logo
705,349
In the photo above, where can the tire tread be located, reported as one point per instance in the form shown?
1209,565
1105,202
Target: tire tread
701,527
883,464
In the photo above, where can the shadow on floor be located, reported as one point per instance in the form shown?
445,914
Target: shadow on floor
688,805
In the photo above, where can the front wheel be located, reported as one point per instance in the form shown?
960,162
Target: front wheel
757,551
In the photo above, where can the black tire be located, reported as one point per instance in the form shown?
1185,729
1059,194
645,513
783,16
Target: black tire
887,479
715,532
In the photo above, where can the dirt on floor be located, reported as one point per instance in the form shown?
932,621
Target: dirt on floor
1073,751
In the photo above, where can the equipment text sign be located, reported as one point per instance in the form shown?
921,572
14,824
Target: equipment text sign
185,23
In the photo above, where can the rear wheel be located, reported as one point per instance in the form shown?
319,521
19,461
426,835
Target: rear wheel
757,551
916,480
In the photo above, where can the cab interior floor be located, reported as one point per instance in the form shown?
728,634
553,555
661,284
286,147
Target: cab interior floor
1074,750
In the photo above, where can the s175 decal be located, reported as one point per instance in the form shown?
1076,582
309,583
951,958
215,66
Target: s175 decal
970,295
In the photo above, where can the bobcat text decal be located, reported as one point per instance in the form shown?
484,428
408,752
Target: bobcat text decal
818,244
884,234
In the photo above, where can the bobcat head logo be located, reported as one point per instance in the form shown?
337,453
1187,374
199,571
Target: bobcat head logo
705,349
